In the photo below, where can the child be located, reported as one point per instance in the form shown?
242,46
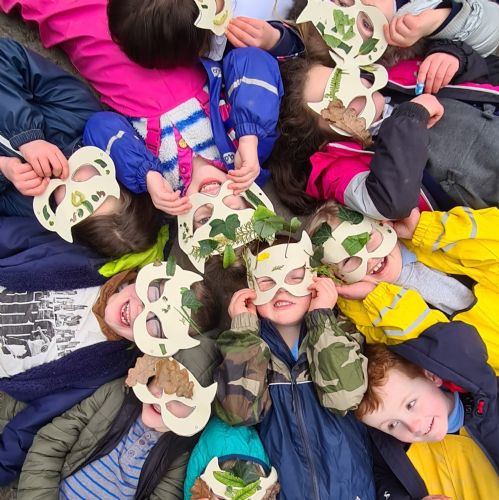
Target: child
436,398
173,112
386,183
267,373
130,454
236,450
44,111
396,289
149,32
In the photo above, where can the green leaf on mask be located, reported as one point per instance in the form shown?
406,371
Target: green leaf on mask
245,471
322,234
229,256
248,491
171,265
228,479
262,213
226,227
347,215
253,199
292,226
206,247
368,46
316,258
355,243
189,300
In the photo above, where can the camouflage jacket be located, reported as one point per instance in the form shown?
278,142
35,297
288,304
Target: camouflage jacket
260,381
335,365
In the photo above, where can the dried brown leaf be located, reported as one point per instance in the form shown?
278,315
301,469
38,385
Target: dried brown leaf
173,379
201,490
144,369
272,492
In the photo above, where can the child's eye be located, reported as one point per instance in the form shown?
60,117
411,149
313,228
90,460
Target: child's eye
411,404
393,425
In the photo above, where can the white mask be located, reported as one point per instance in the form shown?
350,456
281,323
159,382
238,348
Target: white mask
277,262
208,18
335,248
220,489
189,237
201,400
81,199
167,309
342,28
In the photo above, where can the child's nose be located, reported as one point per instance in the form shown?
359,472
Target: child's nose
414,425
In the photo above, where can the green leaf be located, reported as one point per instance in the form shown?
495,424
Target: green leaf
316,259
262,213
231,224
353,244
247,491
45,212
217,227
228,479
347,215
320,28
229,256
253,199
95,198
171,265
246,471
322,234
189,300
264,229
206,247
368,46
292,226
101,163
332,41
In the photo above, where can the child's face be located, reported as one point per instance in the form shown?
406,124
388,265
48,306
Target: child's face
284,309
413,409
121,310
151,413
315,87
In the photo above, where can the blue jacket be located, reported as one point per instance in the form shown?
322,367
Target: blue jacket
455,352
252,85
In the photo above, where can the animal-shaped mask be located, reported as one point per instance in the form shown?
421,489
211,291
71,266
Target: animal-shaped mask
81,199
209,19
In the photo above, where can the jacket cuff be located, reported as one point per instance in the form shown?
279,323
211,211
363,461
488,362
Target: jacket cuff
427,230
22,138
245,321
382,296
457,49
318,317
412,110
290,44
248,128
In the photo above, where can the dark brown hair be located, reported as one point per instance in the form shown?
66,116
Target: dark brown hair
133,228
158,33
380,361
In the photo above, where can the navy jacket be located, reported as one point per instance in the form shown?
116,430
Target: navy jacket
455,352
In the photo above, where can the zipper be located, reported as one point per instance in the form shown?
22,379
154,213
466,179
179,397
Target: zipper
297,408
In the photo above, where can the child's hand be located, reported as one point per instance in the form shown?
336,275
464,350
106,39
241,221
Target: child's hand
324,294
405,227
242,302
432,105
248,32
437,70
246,165
22,175
357,291
163,197
46,159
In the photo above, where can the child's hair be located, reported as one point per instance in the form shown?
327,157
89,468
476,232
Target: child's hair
132,228
328,212
205,318
300,136
380,361
158,33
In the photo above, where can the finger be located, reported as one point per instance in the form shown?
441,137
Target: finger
64,164
246,177
449,75
35,165
35,191
439,77
246,26
31,183
45,165
423,70
234,40
241,35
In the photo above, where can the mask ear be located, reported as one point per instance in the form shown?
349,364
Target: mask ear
434,378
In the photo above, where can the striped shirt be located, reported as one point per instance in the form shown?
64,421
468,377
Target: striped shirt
117,474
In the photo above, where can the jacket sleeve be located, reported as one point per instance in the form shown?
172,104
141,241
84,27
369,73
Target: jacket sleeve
242,395
391,314
401,154
172,483
337,366
9,407
289,45
463,238
42,469
114,133
31,85
253,87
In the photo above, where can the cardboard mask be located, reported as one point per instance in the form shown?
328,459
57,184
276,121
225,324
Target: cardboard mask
344,242
345,85
355,33
81,199
168,309
190,237
200,400
208,18
276,262
220,489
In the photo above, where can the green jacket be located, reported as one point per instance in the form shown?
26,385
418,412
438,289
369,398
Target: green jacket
67,443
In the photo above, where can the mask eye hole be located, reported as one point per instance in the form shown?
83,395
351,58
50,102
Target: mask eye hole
155,289
153,326
202,215
84,172
265,283
295,276
236,202
375,240
365,26
180,410
348,265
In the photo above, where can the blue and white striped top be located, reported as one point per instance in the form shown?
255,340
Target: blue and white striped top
117,474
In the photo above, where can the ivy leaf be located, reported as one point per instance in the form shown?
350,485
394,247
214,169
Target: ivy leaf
246,471
229,256
322,234
262,213
206,247
264,229
292,226
316,259
231,224
353,244
253,199
217,227
347,215
171,265
189,300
